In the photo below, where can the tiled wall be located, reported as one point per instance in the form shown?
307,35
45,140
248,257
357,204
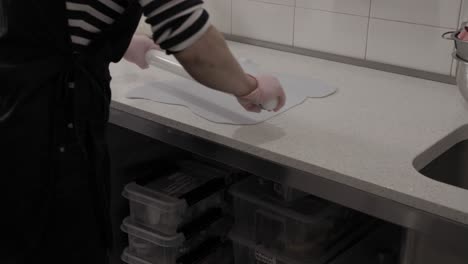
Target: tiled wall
400,32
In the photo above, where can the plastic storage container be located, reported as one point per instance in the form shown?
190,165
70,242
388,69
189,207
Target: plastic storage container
247,252
377,244
301,230
169,202
218,254
163,249
278,190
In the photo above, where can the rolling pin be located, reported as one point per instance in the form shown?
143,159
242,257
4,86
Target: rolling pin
173,67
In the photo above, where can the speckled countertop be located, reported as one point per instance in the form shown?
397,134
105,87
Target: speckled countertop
369,133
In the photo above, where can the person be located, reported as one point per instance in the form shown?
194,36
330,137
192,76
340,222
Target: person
54,106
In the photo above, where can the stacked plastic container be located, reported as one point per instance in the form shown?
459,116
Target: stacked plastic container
178,217
276,224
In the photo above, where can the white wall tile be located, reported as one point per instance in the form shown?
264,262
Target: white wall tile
331,32
440,13
220,14
340,27
409,45
278,2
263,21
354,7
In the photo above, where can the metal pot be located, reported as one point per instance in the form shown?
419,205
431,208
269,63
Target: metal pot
461,46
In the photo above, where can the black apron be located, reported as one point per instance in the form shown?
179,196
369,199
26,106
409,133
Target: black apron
54,107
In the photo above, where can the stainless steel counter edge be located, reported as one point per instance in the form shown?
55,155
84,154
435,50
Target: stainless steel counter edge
345,59
203,143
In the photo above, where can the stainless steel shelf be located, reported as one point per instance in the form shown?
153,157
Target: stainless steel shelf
409,217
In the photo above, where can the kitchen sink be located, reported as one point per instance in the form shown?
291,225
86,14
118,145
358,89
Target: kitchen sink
451,167
447,162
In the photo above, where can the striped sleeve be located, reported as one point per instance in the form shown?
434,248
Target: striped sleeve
87,19
176,24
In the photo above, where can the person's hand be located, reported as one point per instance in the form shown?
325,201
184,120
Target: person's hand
268,89
136,52
463,35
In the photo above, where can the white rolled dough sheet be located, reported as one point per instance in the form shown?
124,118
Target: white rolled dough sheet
222,108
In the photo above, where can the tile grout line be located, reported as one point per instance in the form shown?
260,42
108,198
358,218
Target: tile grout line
343,13
294,25
328,11
412,23
368,28
231,16
306,8
270,3
458,25
460,12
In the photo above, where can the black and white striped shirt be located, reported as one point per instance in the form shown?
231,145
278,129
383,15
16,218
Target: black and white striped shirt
176,24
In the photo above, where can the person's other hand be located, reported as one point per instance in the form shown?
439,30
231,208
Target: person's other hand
136,52
268,89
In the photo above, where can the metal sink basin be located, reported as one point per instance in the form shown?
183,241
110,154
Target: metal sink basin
447,162
451,167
